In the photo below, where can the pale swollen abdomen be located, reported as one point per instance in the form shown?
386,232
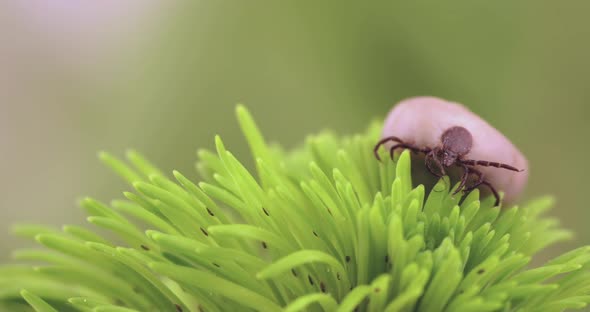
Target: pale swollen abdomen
422,120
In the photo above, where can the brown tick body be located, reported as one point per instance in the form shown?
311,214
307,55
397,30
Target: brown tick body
455,144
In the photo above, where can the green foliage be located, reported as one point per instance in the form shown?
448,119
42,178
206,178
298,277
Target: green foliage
323,228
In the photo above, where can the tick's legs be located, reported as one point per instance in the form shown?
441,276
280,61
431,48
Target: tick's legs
429,166
464,177
486,163
489,185
407,146
480,180
430,155
401,144
383,141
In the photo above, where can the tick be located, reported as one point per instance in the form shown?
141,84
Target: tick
449,135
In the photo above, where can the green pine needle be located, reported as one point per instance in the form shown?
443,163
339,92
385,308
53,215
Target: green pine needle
37,303
325,227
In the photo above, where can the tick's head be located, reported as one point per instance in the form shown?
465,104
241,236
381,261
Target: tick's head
456,142
447,157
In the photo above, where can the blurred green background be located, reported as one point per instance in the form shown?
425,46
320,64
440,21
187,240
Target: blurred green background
164,78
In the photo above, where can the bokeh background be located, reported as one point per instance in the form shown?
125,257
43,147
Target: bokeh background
164,77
